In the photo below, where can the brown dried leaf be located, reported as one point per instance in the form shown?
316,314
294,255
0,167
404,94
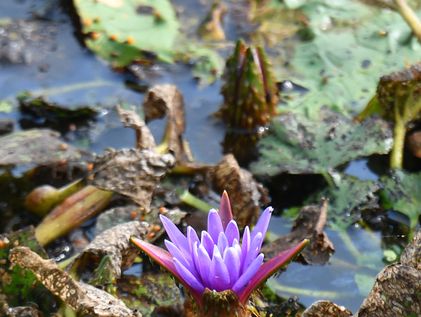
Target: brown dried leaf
308,225
84,298
397,290
324,308
166,100
244,191
114,243
131,172
144,137
37,146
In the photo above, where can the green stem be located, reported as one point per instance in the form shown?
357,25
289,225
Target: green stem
329,179
410,17
396,157
189,199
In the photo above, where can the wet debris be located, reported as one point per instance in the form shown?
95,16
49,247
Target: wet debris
37,146
131,172
19,311
324,308
397,290
113,243
38,112
166,101
151,294
26,41
246,194
6,126
309,224
83,298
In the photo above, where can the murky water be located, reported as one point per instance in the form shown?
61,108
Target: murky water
70,75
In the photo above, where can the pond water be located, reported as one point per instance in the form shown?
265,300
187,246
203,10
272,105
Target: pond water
70,75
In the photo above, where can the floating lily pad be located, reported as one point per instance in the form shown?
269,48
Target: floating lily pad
347,199
402,192
347,52
298,145
122,31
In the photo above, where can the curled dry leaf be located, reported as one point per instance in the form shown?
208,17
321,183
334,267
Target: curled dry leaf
114,243
37,146
144,137
84,298
397,290
166,100
245,192
308,225
131,172
325,308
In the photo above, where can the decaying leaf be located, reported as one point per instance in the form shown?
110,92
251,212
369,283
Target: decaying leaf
166,100
402,192
308,225
151,294
245,192
348,198
83,298
131,172
298,145
144,137
324,308
115,244
35,147
397,290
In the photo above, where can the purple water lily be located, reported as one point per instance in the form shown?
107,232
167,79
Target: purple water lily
218,260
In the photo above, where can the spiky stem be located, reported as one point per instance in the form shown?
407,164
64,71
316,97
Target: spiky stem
410,17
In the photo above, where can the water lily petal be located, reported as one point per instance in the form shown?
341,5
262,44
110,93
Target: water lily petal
175,234
251,270
218,272
165,260
225,211
232,262
202,263
207,242
270,267
214,225
254,250
184,259
245,246
263,223
222,242
192,237
188,277
232,232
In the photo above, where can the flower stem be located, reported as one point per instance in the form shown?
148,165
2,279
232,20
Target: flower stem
410,17
189,199
396,157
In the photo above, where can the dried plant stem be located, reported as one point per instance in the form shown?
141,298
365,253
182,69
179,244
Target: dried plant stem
410,17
